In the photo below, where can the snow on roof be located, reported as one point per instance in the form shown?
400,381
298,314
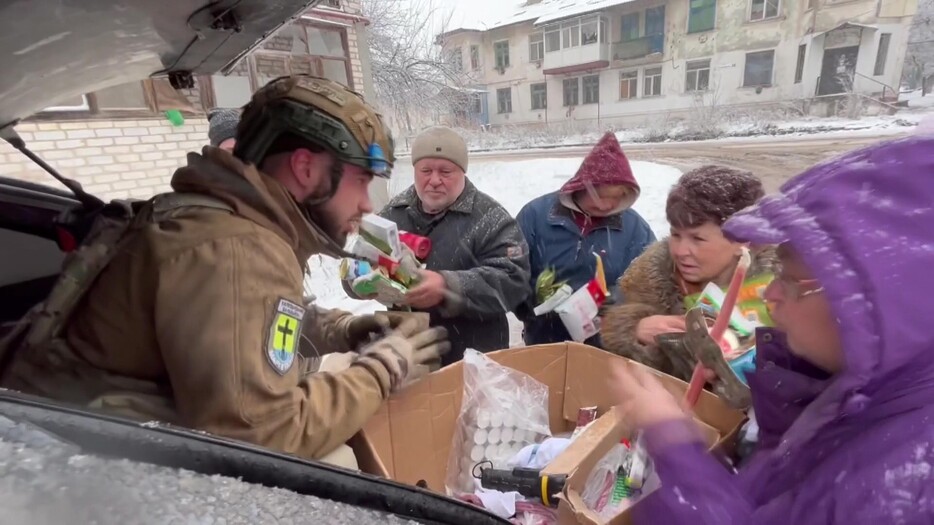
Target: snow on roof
551,10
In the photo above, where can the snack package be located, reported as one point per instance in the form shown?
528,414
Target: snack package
579,311
381,233
502,412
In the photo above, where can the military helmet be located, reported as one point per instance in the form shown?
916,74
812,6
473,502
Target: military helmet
321,111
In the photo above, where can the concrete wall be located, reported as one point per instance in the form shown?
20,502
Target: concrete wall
733,37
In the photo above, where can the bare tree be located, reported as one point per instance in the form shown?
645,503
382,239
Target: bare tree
919,62
414,79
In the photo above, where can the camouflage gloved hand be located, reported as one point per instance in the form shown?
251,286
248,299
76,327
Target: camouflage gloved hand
405,352
361,329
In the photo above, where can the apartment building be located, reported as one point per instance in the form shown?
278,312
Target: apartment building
629,61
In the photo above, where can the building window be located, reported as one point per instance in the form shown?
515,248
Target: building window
553,41
882,54
763,9
333,3
652,82
698,76
759,69
133,98
570,35
571,91
474,57
629,27
628,85
456,59
504,100
501,53
702,15
590,31
655,21
799,67
536,47
591,89
539,96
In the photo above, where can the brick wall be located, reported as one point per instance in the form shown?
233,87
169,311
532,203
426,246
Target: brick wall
111,159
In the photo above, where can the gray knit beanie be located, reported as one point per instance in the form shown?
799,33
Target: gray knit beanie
711,193
222,125
439,142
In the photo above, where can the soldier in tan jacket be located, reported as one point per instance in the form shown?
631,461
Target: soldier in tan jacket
197,316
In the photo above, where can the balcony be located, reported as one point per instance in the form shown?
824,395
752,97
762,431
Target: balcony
639,48
579,58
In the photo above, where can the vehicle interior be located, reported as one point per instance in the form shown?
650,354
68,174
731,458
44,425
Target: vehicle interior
54,49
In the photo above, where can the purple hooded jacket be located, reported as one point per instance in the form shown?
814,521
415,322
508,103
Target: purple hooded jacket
857,447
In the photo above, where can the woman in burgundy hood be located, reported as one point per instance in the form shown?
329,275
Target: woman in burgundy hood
591,213
844,394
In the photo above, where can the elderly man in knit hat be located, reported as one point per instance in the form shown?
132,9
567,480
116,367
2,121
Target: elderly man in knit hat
478,268
222,128
591,214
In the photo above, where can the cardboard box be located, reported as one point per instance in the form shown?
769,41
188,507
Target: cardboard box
582,456
410,437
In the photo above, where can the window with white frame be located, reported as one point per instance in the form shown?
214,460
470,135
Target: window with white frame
697,76
553,40
570,35
539,97
474,57
536,47
589,31
763,9
571,91
652,82
628,84
504,100
591,88
133,98
501,54
758,70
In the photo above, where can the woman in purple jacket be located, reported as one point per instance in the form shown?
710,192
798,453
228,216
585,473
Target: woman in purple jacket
844,395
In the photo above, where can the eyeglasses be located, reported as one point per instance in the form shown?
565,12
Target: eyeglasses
798,289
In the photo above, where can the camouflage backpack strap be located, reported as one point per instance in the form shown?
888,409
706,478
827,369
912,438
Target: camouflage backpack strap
112,229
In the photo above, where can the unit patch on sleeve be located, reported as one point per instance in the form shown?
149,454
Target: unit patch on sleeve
283,335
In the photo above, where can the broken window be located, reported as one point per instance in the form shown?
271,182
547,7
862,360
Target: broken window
571,91
456,59
702,15
629,27
882,54
539,96
504,100
763,9
799,68
591,89
759,69
698,76
652,82
628,85
501,52
475,57
589,31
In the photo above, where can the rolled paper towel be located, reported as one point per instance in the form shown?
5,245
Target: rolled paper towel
507,434
483,419
476,453
494,436
491,452
480,437
496,419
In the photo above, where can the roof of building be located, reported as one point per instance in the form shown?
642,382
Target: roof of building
549,11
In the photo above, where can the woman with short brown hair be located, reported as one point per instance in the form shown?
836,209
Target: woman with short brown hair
666,281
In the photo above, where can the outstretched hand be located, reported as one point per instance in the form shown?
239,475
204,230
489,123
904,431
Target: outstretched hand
641,399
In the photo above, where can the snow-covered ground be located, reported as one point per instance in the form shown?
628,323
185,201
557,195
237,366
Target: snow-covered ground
916,100
513,184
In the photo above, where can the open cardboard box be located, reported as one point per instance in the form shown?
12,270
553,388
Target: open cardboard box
582,456
410,437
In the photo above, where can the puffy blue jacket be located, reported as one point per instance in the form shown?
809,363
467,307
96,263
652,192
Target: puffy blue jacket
555,240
